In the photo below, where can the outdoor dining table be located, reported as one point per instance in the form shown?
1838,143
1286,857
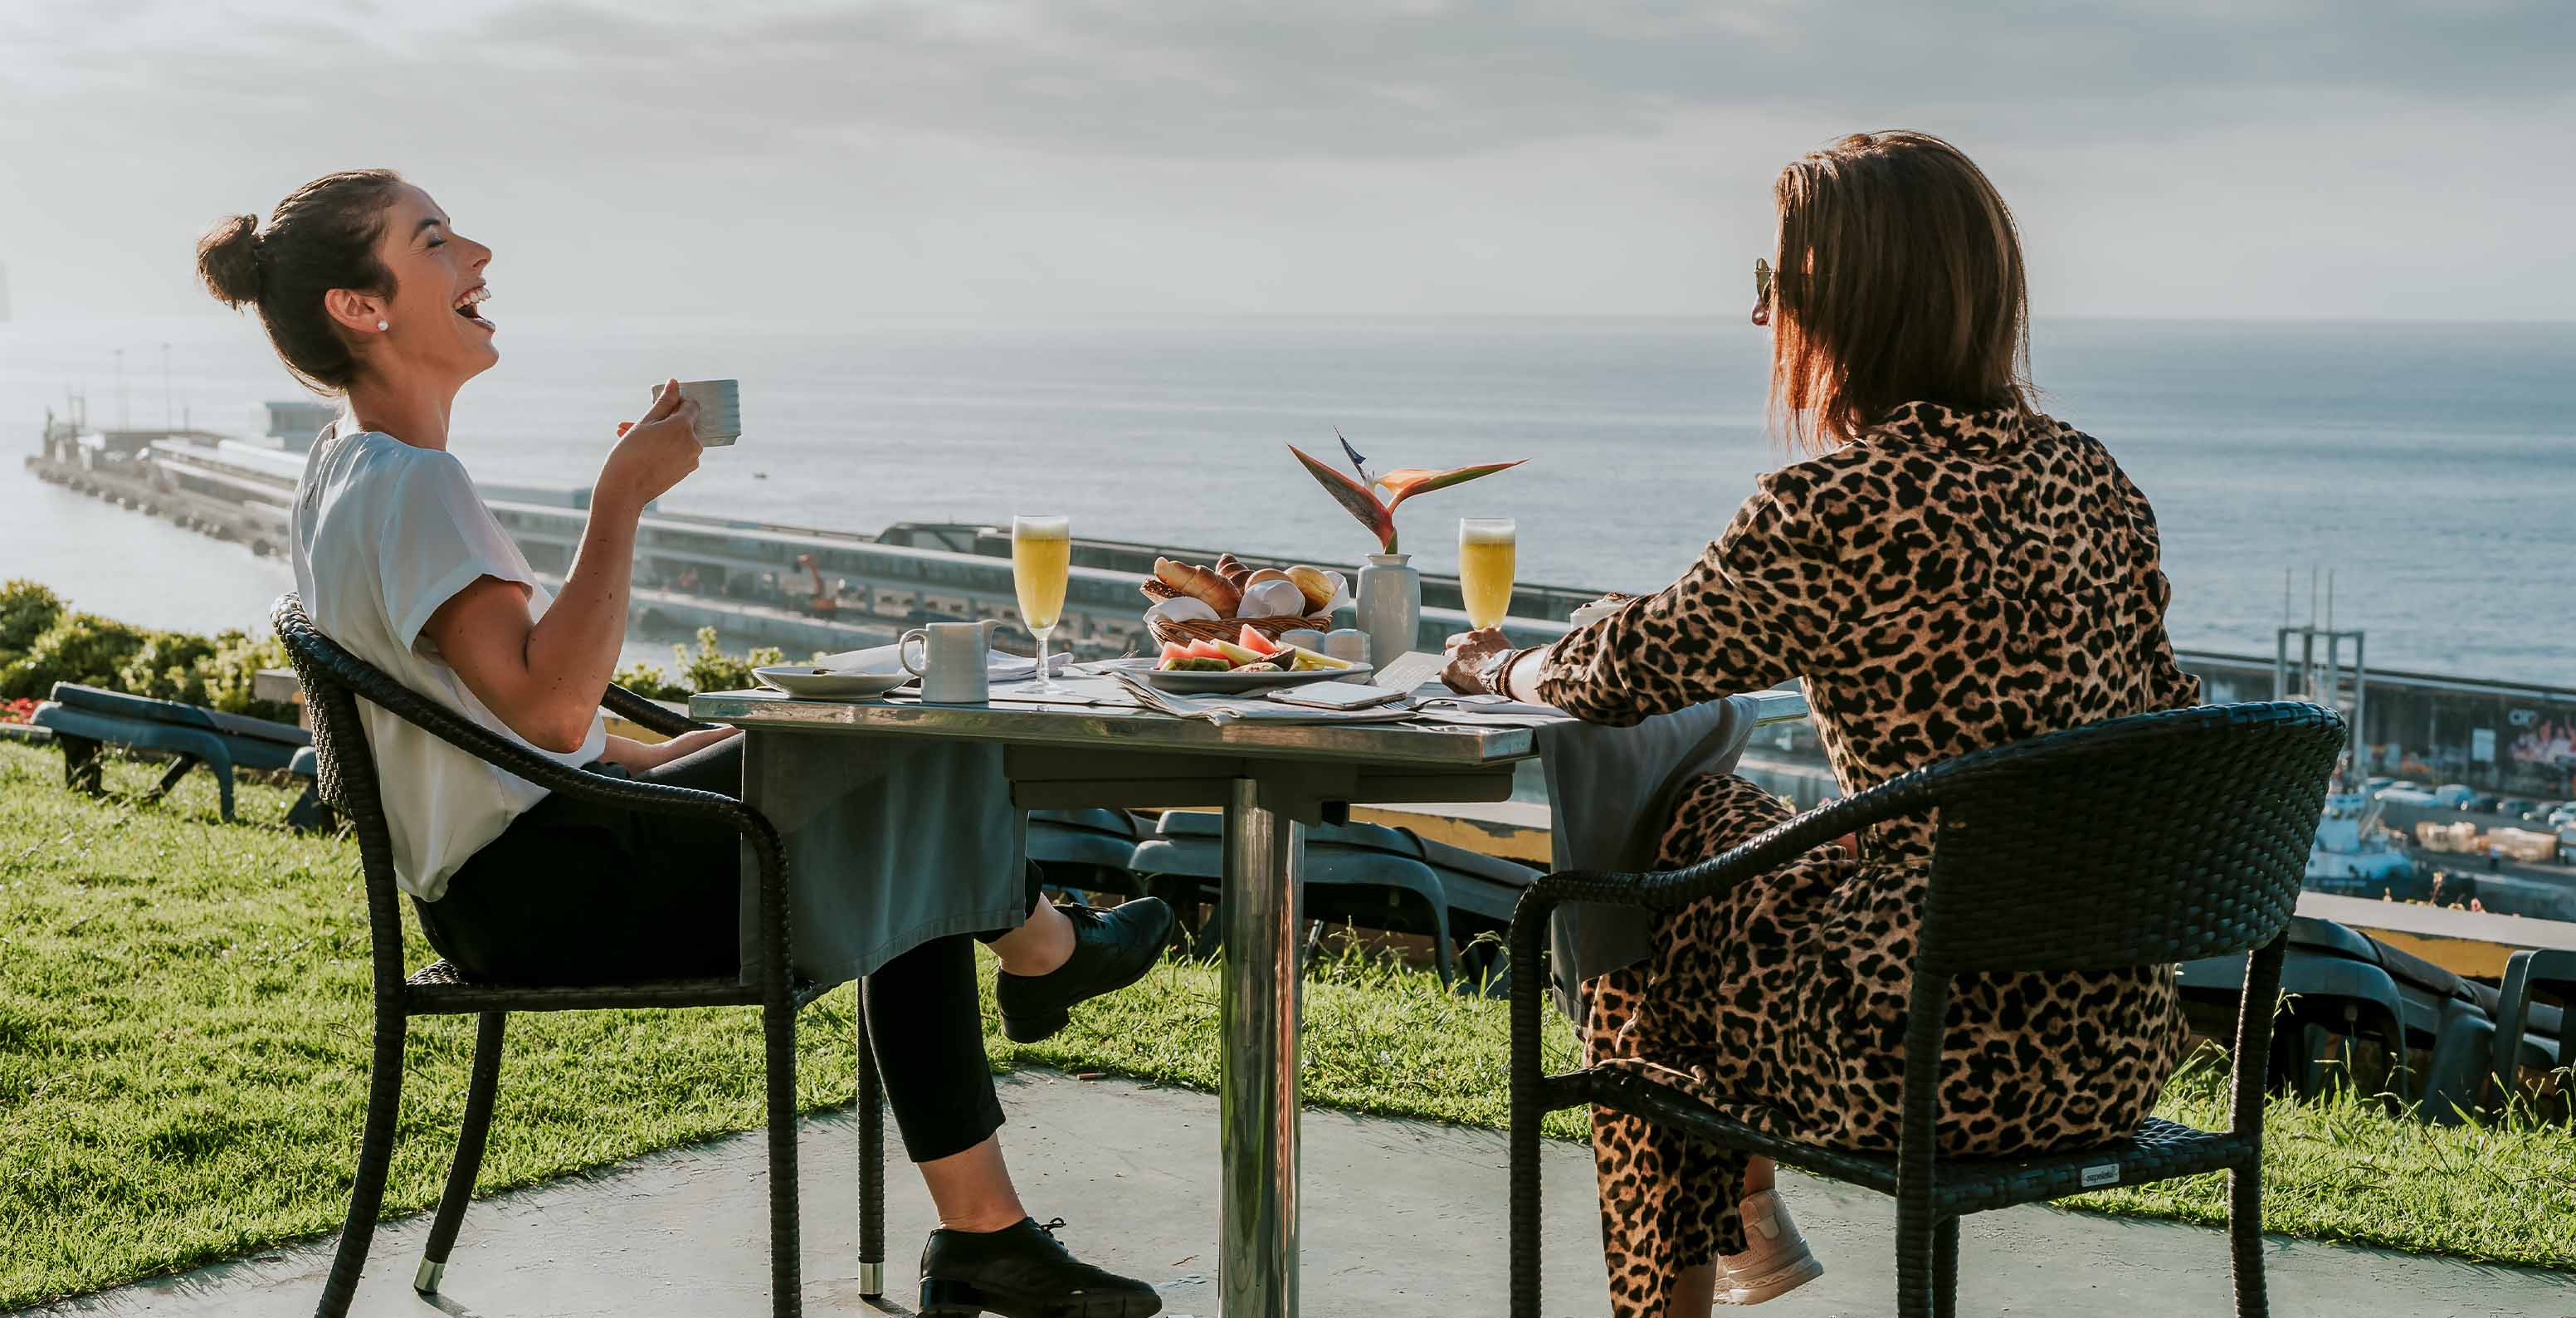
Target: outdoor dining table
1272,780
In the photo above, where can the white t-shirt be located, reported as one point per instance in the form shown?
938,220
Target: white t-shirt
383,534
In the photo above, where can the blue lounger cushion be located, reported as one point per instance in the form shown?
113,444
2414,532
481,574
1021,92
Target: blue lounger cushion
130,720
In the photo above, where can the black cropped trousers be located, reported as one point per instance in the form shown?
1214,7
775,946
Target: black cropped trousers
575,893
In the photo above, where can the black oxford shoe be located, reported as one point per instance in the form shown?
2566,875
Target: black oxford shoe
1111,950
1023,1271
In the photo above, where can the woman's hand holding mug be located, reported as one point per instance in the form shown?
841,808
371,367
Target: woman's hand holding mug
653,453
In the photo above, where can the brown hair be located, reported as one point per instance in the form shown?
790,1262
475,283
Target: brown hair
322,237
1899,278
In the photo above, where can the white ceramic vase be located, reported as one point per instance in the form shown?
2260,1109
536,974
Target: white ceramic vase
1389,604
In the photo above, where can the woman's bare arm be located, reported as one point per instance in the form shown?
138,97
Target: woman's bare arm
545,678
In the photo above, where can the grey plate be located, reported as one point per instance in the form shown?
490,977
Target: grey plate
807,680
1231,684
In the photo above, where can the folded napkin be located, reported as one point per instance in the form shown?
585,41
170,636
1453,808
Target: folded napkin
1610,792
1222,711
1000,666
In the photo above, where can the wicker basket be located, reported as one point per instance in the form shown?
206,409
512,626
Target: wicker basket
1226,629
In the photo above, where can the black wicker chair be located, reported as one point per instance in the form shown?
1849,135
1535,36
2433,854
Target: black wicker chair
2145,840
334,681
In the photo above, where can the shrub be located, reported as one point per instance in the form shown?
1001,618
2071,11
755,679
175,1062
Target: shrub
167,668
646,680
711,669
227,672
78,647
26,610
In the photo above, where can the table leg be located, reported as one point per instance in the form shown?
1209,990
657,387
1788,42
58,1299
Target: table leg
1257,1228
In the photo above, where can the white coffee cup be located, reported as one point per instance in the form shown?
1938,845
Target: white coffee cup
719,409
954,657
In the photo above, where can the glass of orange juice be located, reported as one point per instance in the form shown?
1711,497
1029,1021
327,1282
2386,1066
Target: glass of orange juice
1488,552
1041,560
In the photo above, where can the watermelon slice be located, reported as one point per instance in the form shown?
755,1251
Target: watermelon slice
1174,652
1205,650
1256,642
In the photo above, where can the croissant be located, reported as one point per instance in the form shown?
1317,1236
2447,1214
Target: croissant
1155,590
1233,570
1191,579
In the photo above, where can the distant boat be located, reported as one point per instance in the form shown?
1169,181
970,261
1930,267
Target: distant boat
2352,854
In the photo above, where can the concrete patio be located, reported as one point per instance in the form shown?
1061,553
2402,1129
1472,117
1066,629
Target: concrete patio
1402,1218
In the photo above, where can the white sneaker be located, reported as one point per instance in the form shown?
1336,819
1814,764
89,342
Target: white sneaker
1775,1260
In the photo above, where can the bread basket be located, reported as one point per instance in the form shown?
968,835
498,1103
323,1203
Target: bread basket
1226,629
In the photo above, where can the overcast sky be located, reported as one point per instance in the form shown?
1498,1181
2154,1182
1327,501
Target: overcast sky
842,160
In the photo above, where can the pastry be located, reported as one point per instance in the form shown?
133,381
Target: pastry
1155,590
1233,570
1191,579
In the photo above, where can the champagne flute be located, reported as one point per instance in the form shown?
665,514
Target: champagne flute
1041,560
1488,551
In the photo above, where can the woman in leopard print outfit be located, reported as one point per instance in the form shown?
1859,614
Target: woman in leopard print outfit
1954,570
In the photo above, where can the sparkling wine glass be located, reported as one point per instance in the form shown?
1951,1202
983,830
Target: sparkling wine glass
1041,560
1488,552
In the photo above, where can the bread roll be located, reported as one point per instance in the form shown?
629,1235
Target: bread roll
1265,574
1319,586
1193,580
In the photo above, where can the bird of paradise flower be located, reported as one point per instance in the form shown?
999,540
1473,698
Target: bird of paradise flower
1360,496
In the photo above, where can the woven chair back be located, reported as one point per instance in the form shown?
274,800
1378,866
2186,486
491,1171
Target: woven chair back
345,770
2145,840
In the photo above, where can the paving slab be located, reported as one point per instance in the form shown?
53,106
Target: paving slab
1402,1218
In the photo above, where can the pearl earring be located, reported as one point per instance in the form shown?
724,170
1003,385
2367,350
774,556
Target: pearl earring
383,326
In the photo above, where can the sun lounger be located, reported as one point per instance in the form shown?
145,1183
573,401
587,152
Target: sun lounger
1363,874
2349,986
1088,850
84,719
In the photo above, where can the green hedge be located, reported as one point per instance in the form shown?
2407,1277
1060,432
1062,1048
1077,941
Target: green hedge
44,641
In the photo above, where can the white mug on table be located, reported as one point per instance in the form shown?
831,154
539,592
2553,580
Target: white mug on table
954,656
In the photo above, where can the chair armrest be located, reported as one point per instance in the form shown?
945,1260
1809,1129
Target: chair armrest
339,668
626,793
644,713
1666,889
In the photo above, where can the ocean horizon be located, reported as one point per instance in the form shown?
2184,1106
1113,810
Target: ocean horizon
2425,465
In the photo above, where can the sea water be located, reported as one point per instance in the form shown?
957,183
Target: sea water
2431,468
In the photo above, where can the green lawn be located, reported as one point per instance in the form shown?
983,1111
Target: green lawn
183,1045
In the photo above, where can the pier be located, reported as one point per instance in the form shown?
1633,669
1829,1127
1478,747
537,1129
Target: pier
807,590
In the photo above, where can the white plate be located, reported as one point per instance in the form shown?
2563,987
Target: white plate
1227,684
807,680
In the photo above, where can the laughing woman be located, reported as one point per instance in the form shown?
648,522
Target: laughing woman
367,291
1951,570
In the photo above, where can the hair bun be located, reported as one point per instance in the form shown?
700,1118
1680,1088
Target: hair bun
228,260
